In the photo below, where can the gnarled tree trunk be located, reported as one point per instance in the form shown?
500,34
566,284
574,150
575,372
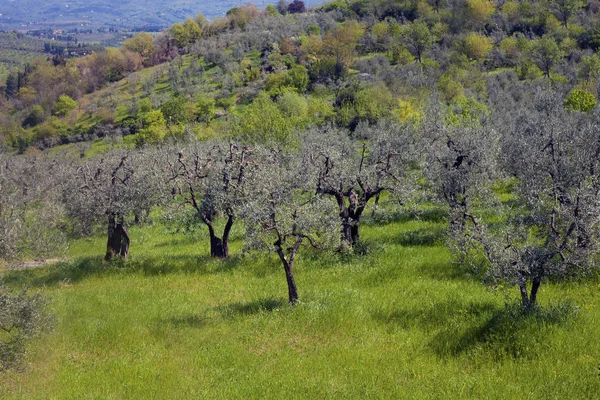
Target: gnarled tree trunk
219,247
118,239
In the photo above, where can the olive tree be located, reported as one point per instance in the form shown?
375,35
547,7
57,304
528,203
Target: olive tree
555,157
461,163
30,208
283,213
111,188
210,179
355,170
22,317
548,160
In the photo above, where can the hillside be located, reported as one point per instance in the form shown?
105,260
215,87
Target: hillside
369,49
368,199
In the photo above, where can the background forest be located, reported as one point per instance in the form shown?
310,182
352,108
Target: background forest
385,158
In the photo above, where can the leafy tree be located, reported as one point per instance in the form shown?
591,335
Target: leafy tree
142,44
64,105
282,7
297,77
549,229
341,43
30,208
22,317
35,117
11,88
296,6
111,189
589,67
153,126
374,103
264,122
175,110
546,53
479,11
271,10
418,39
580,100
187,33
205,109
353,172
564,9
550,152
476,47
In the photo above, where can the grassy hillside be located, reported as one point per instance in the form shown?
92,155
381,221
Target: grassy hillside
400,321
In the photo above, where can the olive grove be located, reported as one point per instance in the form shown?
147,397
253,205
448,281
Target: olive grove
519,186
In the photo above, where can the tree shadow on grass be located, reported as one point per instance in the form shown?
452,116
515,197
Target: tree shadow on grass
501,331
82,268
268,304
511,331
433,236
436,315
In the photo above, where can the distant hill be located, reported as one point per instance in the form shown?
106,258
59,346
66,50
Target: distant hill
32,14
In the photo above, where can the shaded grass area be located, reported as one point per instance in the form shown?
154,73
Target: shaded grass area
395,320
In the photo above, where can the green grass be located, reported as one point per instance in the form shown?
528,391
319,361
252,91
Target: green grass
397,321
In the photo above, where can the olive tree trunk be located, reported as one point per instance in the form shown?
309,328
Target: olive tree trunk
288,265
118,239
529,299
219,247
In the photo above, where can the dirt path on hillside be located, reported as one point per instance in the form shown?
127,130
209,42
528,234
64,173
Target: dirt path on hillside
32,264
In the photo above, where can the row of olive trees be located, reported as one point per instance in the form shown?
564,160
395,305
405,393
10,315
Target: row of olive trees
521,189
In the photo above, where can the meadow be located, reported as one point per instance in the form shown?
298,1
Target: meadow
396,319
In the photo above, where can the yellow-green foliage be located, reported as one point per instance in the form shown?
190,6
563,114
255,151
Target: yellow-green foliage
527,70
408,112
580,100
466,111
479,11
449,87
64,105
319,110
263,121
476,47
400,55
374,103
153,126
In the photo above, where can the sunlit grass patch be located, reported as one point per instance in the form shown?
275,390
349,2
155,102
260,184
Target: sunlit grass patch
397,319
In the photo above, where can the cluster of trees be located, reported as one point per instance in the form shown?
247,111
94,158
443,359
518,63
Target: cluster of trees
294,123
519,183
348,62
